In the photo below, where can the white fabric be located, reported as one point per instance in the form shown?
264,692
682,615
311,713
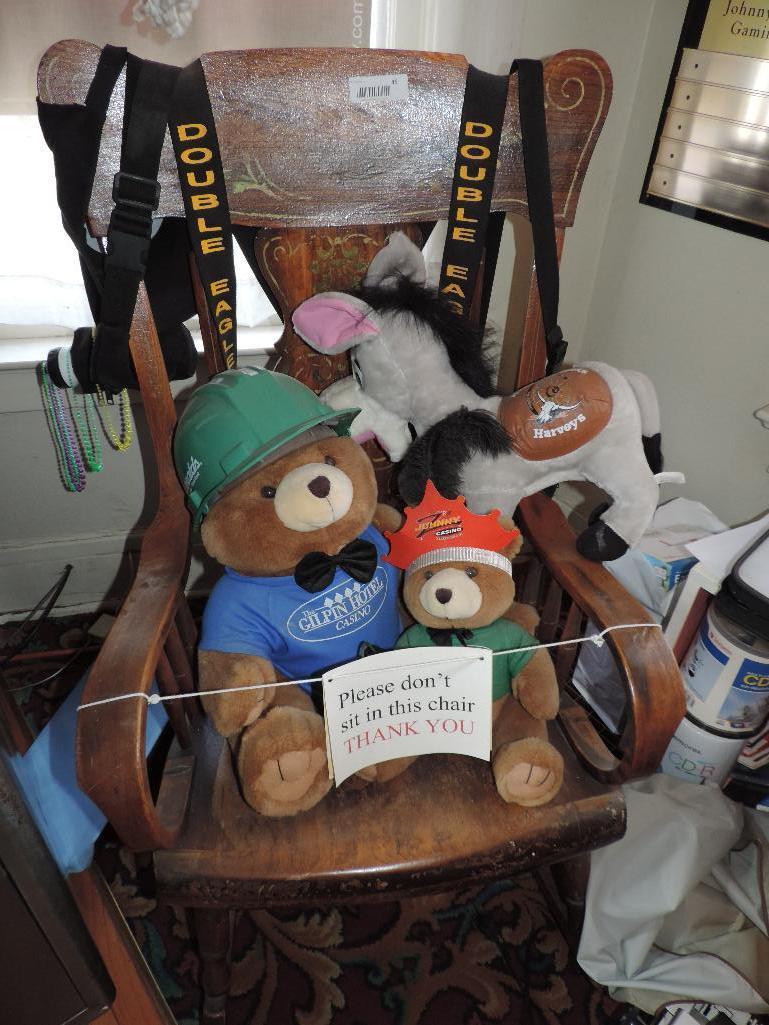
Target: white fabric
659,924
373,420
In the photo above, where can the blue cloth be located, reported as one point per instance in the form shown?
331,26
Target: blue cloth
303,634
69,821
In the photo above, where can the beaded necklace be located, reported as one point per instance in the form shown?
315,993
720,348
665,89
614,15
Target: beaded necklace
86,423
62,431
120,442
74,429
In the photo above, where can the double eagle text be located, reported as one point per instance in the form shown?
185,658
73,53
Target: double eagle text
200,177
469,171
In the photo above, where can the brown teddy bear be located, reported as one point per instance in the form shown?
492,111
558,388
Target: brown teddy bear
459,588
287,502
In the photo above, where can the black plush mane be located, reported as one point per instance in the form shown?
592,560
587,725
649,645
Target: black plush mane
465,344
440,454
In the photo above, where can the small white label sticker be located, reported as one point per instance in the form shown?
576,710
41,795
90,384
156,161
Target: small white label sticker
407,702
378,87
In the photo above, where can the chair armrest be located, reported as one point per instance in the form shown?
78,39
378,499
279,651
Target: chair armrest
111,738
110,750
644,661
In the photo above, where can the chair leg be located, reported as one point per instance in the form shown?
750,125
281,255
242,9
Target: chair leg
570,878
212,927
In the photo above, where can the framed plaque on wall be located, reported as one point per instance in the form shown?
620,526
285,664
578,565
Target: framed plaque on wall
710,158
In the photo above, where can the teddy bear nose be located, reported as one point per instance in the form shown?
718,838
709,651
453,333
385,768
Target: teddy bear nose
319,486
443,594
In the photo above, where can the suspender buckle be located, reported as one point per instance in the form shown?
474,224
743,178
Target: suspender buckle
134,190
130,226
128,250
556,346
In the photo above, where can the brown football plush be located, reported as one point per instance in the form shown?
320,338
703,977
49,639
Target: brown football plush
316,497
467,594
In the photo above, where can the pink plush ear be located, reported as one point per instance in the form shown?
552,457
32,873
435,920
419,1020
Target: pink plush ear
333,322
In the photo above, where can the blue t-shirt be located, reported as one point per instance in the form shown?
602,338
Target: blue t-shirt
301,633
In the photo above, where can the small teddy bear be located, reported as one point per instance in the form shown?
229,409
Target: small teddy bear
286,501
459,588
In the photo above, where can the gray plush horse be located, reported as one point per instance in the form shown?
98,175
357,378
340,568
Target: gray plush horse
415,363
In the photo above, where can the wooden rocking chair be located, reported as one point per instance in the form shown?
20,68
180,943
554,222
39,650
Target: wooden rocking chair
327,182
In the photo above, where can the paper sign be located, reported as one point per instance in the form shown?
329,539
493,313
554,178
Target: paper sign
408,702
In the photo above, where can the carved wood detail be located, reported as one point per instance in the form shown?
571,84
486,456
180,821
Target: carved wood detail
329,166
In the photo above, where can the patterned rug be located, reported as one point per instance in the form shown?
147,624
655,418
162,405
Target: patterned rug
486,954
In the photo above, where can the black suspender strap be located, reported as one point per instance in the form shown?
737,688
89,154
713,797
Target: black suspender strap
136,193
193,133
536,163
73,136
483,112
111,62
471,228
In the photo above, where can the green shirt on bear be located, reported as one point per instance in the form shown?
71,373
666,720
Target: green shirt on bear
499,636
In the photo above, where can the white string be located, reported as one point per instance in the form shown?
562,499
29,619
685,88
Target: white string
156,699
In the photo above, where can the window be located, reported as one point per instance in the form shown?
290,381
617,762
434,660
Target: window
42,298
41,293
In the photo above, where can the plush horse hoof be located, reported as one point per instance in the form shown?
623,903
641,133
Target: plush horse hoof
600,543
528,772
598,512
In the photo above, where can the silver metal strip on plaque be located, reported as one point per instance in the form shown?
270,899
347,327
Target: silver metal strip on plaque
717,197
729,69
716,164
719,101
713,151
701,130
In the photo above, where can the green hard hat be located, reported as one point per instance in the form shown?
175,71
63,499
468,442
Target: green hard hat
237,419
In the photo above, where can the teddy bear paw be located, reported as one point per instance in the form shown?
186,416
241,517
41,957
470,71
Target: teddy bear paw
233,712
528,772
382,772
289,776
282,762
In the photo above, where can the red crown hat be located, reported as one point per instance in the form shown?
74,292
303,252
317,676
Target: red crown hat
439,523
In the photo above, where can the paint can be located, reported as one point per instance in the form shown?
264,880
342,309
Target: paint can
700,756
726,670
726,676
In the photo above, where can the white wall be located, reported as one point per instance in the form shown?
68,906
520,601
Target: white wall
617,30
686,302
28,27
45,527
491,33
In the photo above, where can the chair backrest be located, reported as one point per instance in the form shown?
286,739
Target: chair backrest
325,181
298,154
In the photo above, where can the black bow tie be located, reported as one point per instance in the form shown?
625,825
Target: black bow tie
316,570
443,637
